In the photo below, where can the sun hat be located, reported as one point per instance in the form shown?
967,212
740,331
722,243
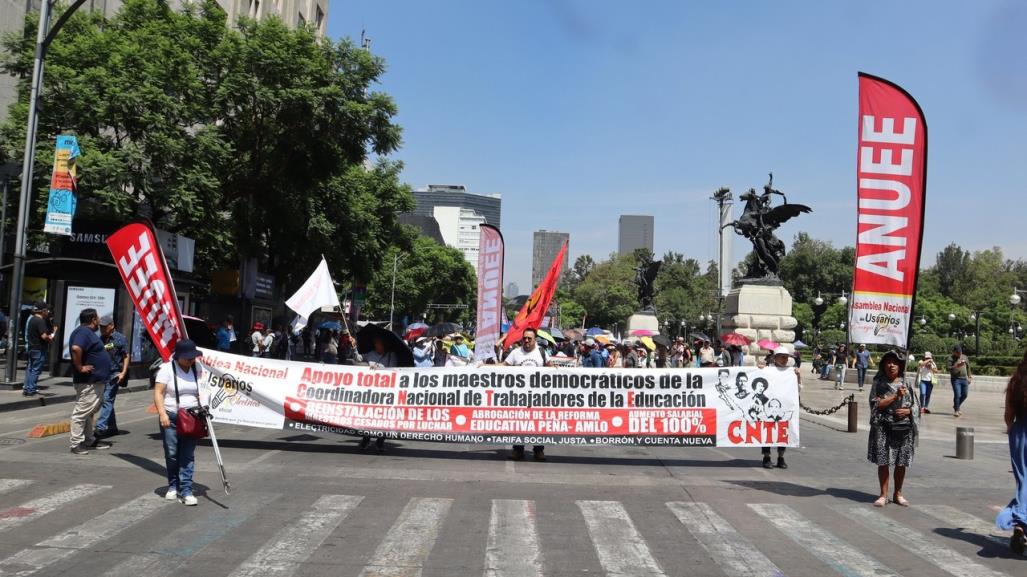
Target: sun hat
782,351
928,355
186,349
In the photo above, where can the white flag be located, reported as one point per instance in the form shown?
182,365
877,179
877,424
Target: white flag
317,292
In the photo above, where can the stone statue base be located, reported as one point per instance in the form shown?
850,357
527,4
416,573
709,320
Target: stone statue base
760,312
643,320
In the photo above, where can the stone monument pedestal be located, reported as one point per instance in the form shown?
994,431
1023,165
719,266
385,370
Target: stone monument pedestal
760,312
643,320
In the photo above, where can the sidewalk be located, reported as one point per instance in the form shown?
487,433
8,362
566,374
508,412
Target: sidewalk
53,390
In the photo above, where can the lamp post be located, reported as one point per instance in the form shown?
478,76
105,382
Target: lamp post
392,304
44,36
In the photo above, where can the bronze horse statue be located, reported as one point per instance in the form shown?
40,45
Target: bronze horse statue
758,222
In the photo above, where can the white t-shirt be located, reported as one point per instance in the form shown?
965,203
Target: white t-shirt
257,339
925,370
519,358
188,390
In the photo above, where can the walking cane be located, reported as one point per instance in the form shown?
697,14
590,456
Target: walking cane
217,451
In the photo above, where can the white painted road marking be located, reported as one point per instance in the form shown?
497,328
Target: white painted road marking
12,484
191,538
88,534
834,552
957,519
732,552
406,546
916,543
36,508
621,549
282,555
513,548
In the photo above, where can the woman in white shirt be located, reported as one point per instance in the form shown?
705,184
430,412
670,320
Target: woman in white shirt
926,378
183,374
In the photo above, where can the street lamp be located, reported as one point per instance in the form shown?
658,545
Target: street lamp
1014,299
975,318
392,304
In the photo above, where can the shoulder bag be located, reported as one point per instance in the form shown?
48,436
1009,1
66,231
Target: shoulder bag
190,422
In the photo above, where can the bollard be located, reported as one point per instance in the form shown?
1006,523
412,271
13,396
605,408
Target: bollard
965,443
853,416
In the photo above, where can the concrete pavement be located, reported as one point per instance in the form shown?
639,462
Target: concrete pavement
315,505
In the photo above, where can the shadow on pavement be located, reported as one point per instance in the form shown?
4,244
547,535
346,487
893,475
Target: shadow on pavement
793,490
989,549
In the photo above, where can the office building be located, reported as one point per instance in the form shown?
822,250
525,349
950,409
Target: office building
635,231
544,248
294,13
459,228
433,195
512,290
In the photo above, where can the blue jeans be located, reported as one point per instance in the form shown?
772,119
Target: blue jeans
179,458
960,388
925,393
35,366
861,376
825,370
107,421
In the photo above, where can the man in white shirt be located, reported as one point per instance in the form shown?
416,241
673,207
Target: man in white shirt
257,338
707,356
528,355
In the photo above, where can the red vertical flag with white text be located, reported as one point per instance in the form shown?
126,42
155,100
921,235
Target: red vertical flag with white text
536,306
140,261
891,179
490,292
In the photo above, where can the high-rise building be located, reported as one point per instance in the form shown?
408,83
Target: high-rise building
294,13
427,198
459,228
636,231
544,248
512,290
459,214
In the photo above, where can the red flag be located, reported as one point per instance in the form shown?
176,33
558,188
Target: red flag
891,174
140,261
535,308
490,292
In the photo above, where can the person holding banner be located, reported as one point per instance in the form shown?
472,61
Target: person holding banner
1014,516
177,384
893,426
780,363
529,355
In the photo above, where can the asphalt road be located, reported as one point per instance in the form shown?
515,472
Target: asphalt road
316,505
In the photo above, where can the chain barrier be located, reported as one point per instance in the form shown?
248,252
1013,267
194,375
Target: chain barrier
830,411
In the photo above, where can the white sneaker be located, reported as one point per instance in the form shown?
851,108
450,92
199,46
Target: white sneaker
190,501
171,495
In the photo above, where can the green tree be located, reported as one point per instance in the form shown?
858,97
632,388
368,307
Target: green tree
813,266
608,293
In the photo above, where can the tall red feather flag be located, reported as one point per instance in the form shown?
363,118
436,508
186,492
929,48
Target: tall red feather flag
535,308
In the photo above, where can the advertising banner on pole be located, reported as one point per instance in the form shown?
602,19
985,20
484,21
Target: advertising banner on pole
714,407
141,263
490,292
60,208
891,177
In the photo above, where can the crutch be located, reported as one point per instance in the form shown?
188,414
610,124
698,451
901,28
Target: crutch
217,451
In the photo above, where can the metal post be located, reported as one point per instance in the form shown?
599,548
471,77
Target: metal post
853,416
3,219
977,331
965,443
392,305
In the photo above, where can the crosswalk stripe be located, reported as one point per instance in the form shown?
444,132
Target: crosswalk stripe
282,555
191,538
621,549
513,546
970,523
916,543
406,546
732,552
834,552
105,526
36,508
12,484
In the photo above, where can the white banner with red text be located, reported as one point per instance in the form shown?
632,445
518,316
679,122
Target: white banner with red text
716,407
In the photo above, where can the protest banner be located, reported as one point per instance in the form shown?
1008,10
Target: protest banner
715,407
891,174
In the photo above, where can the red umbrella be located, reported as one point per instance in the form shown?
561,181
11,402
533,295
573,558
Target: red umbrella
735,339
414,333
767,344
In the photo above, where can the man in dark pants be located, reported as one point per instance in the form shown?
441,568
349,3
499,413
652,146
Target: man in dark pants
528,355
38,335
116,346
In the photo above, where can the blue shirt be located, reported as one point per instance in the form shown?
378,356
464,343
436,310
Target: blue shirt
93,353
422,357
224,338
862,359
117,348
460,350
593,359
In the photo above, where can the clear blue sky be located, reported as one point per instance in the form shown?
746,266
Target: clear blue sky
578,112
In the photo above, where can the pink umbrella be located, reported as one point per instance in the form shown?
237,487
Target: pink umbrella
767,344
643,333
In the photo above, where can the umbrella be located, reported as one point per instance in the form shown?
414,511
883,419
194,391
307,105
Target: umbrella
594,331
602,339
648,342
767,344
443,329
661,340
573,334
642,333
417,325
412,334
701,337
735,339
544,335
330,326
800,345
365,343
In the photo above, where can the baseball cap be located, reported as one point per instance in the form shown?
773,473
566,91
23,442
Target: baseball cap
186,349
590,342
782,351
40,306
106,320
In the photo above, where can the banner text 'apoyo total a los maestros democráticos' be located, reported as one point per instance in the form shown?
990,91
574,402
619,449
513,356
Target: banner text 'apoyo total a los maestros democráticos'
713,407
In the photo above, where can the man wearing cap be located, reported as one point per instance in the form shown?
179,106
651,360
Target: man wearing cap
459,348
529,355
92,371
257,339
959,374
38,336
780,362
116,346
422,353
590,357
